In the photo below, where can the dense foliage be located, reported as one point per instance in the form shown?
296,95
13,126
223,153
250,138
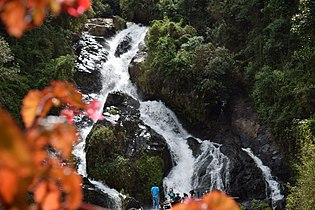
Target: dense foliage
303,194
193,77
39,56
107,161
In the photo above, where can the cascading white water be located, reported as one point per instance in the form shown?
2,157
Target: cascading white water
155,114
183,176
162,120
209,170
115,77
214,166
274,186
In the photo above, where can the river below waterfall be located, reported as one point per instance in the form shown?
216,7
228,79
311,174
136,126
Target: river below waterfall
204,172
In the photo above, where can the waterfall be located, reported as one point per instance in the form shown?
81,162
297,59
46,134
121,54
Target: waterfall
114,77
185,175
211,165
207,171
274,186
163,120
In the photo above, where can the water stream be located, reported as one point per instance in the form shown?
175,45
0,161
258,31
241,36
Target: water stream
209,170
273,185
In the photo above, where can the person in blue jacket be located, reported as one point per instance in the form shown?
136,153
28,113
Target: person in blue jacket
155,192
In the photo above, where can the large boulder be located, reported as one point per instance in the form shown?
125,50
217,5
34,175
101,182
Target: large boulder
246,181
92,195
123,46
105,27
91,56
134,67
123,145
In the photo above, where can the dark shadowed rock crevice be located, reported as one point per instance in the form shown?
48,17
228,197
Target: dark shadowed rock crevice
92,195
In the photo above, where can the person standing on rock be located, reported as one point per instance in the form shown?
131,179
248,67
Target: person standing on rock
155,192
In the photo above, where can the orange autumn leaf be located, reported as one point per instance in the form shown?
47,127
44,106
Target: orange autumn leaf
52,199
8,185
17,168
67,93
191,205
218,200
35,104
14,152
72,187
13,16
62,138
40,192
39,10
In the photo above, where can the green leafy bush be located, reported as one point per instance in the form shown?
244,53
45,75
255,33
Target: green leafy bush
302,195
139,11
260,205
193,77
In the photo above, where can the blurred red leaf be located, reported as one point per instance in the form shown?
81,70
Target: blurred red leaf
52,199
92,110
76,8
13,16
67,93
218,200
8,184
36,104
62,138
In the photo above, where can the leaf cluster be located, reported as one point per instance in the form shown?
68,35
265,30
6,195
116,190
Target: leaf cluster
192,76
34,160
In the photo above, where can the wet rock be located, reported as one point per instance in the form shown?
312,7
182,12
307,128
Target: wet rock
105,27
246,181
252,135
123,46
94,196
88,82
194,145
91,56
134,68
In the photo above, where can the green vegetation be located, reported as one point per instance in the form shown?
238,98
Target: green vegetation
107,161
260,205
13,85
303,194
139,11
149,170
193,77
